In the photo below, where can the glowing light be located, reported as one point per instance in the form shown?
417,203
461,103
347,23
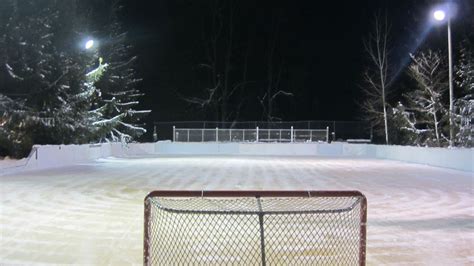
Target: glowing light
439,15
89,44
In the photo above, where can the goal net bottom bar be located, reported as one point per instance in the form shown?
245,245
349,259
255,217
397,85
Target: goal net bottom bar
255,227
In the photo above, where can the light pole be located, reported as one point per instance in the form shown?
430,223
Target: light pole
441,15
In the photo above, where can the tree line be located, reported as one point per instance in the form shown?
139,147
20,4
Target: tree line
421,115
413,113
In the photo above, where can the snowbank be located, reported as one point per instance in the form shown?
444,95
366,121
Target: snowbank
12,163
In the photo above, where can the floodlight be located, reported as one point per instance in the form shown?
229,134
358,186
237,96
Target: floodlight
439,15
89,44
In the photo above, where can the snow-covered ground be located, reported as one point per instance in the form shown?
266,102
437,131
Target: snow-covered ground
93,213
9,163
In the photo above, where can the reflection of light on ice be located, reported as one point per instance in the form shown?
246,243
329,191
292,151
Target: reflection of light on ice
93,213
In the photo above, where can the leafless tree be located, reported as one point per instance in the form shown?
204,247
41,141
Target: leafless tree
377,76
220,54
429,71
275,68
423,113
211,36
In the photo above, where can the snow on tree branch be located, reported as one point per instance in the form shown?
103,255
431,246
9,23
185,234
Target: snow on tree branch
425,113
12,73
95,74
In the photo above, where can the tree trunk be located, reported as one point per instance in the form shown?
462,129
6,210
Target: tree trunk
436,128
382,83
385,121
225,89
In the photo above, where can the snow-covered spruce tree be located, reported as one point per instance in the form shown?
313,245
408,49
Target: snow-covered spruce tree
15,121
47,77
41,67
410,129
464,105
114,111
424,113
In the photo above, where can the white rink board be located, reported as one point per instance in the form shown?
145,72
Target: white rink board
54,156
455,158
93,213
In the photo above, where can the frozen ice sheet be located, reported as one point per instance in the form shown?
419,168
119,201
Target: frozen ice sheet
93,213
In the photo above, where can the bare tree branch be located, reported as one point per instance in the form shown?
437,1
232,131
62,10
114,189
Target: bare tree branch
429,72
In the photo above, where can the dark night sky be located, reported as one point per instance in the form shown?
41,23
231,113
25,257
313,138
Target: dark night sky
320,41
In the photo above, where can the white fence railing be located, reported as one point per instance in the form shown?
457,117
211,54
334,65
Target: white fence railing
250,135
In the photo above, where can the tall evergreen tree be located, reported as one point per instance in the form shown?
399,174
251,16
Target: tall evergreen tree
42,69
464,105
48,91
116,116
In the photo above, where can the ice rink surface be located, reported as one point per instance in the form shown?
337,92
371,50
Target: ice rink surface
93,213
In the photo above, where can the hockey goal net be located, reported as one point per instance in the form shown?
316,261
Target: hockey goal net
255,227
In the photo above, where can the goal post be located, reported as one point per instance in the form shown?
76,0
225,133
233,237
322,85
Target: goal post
255,227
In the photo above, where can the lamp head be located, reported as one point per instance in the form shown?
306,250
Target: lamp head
89,44
439,15
443,12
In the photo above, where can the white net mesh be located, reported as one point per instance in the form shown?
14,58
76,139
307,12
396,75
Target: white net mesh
255,231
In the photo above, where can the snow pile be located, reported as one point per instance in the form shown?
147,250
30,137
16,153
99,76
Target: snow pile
7,163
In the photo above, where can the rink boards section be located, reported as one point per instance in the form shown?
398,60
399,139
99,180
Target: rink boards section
53,156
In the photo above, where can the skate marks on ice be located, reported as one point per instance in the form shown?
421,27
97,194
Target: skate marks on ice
93,213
